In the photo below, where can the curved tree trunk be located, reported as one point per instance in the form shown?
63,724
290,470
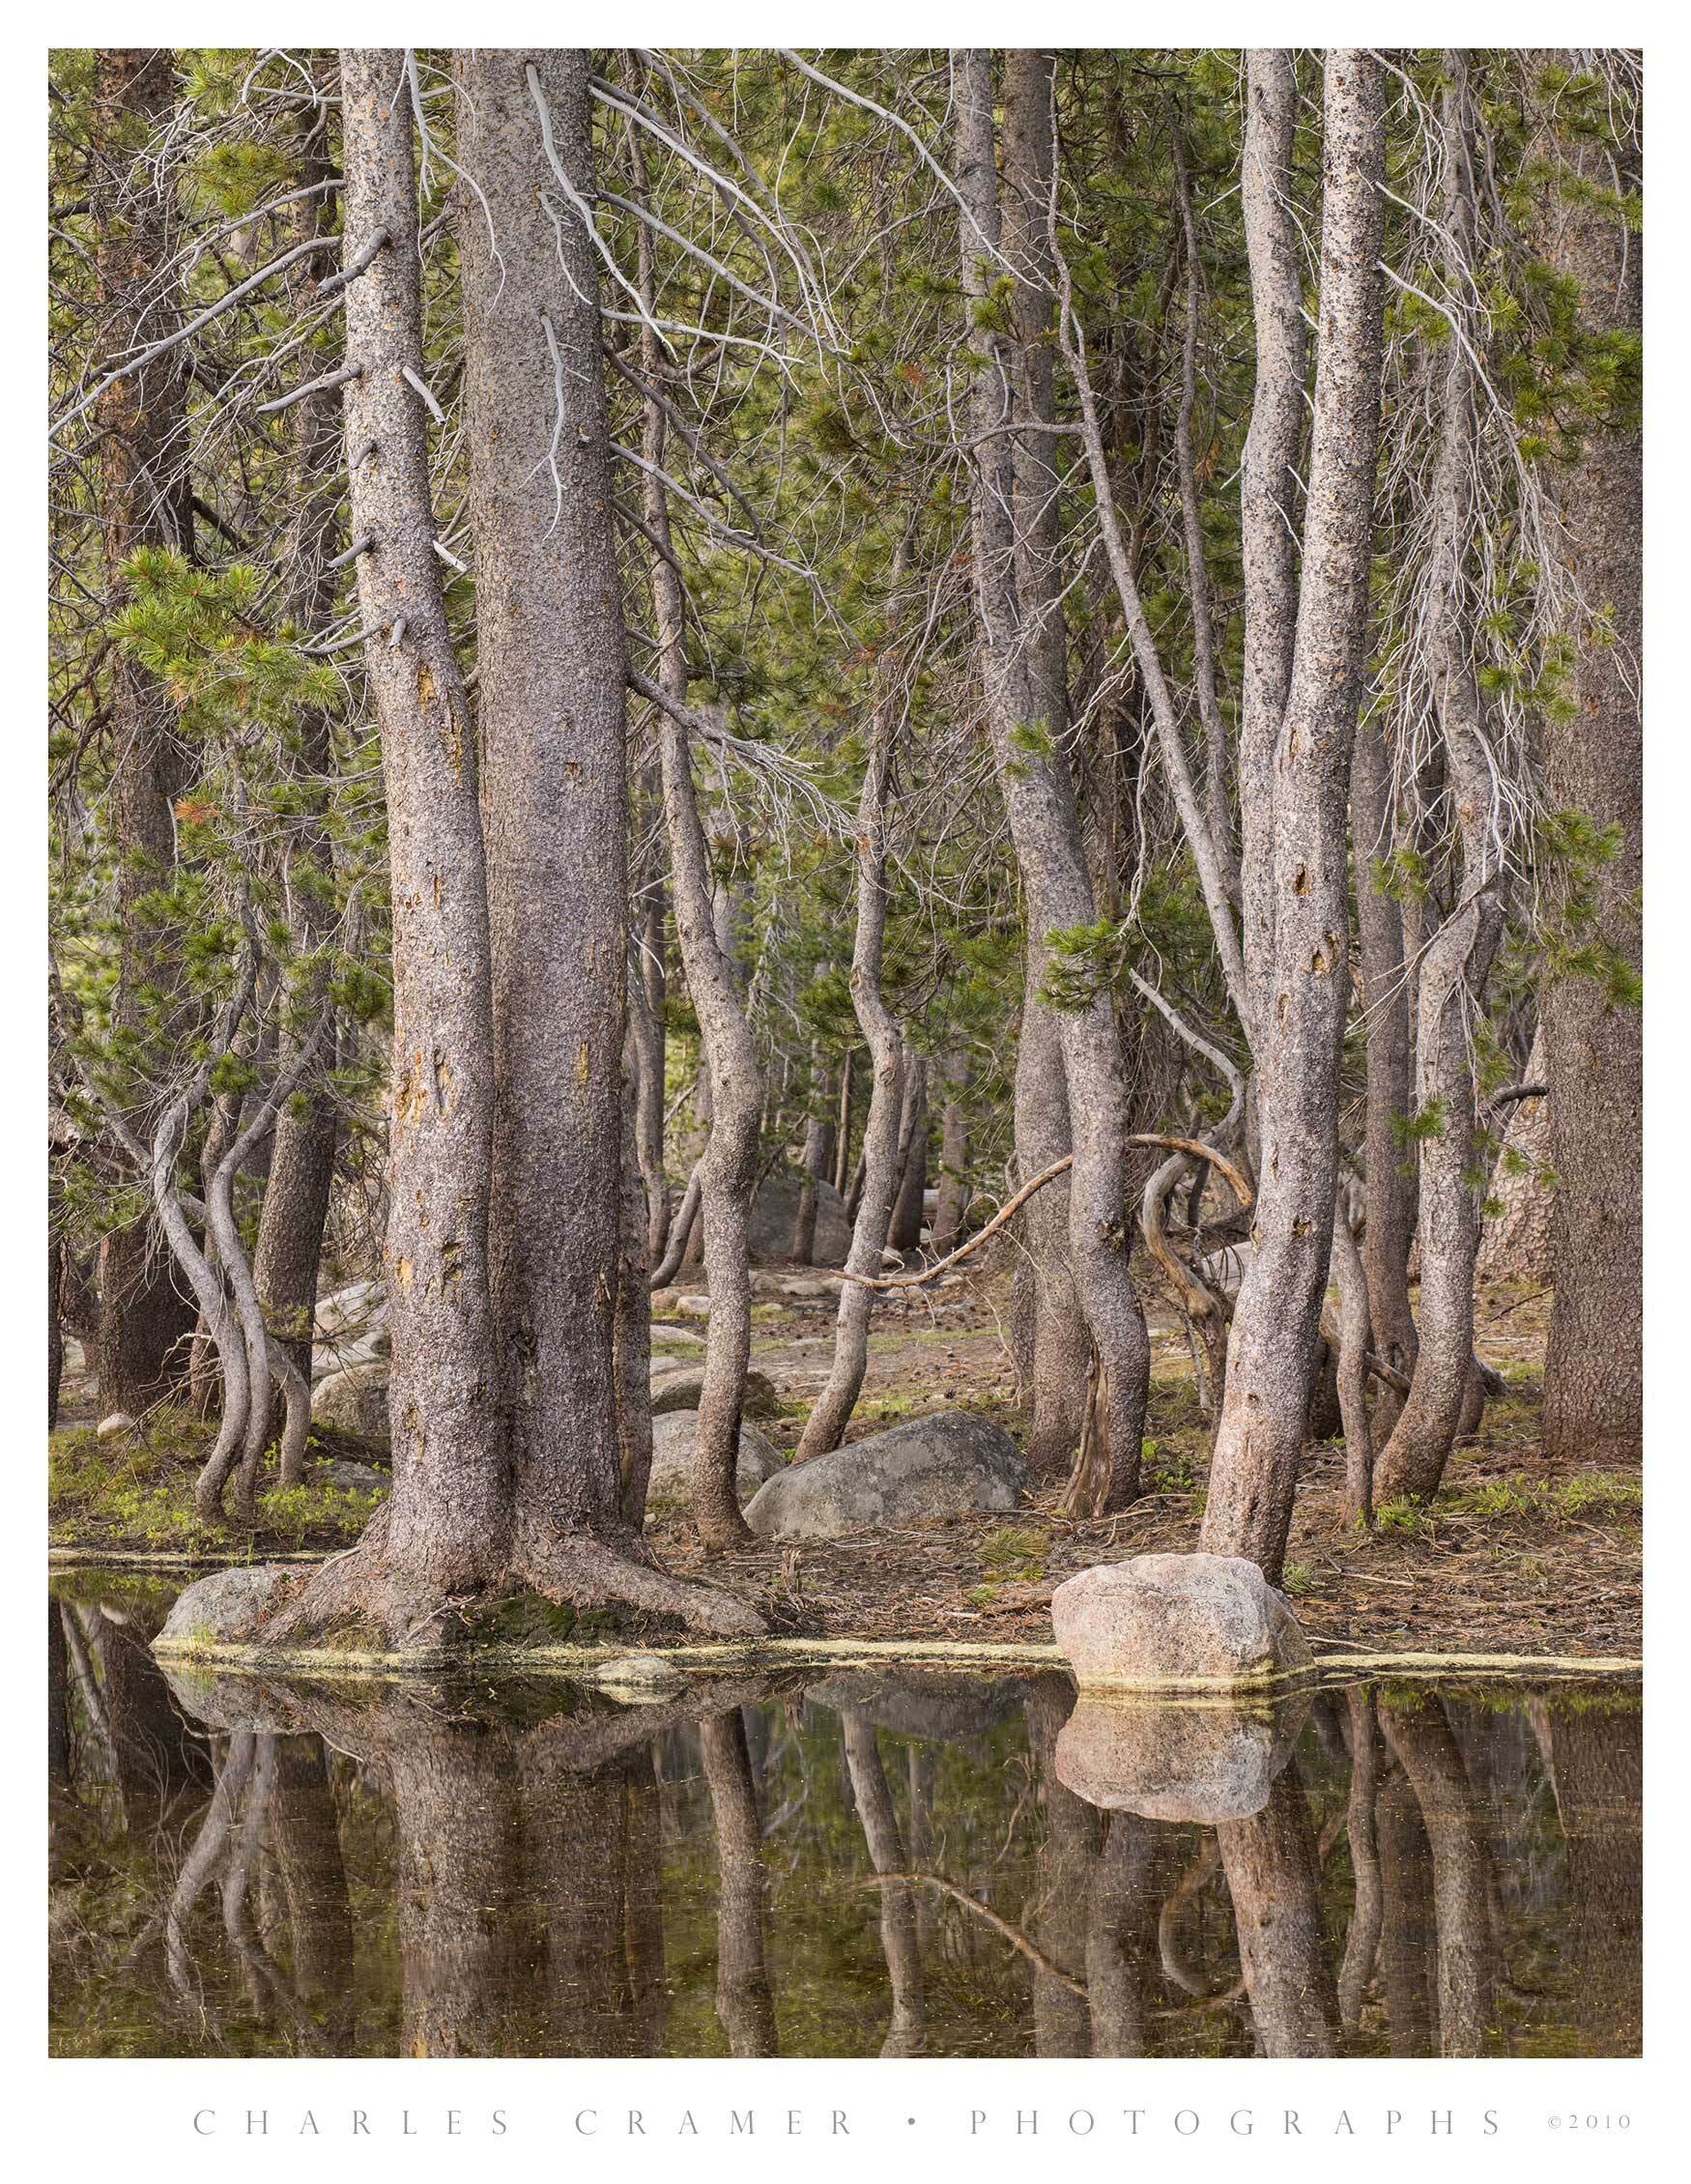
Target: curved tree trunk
727,1172
1455,968
1272,1354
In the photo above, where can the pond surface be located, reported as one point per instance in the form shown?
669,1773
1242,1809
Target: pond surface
832,1863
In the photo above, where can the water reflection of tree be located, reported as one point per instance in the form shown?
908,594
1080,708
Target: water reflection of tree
744,2003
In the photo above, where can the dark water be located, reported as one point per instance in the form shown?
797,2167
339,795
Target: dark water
828,1864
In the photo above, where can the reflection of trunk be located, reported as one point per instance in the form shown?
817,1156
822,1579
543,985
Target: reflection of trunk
1409,1931
1274,1880
58,1697
898,1937
305,1838
1058,1916
1272,1354
1362,1941
1121,1934
157,1754
1419,1736
744,2003
1597,1760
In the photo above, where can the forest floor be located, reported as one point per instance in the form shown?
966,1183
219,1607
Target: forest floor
1516,1555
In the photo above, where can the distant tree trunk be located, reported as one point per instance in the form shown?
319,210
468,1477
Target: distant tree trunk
1514,1244
908,1209
145,1317
953,1161
1272,1350
1455,968
818,1159
1388,1229
830,1414
1593,763
843,1130
727,1171
1033,770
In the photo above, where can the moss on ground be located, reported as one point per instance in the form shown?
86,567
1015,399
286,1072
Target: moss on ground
135,1490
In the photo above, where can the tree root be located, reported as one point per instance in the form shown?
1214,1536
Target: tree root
364,1587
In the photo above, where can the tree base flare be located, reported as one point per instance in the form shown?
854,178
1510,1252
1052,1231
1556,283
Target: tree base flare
368,1594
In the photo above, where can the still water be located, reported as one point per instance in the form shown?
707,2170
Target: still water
828,1864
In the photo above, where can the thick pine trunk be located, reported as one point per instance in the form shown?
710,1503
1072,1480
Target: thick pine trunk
1273,1352
1593,763
145,1316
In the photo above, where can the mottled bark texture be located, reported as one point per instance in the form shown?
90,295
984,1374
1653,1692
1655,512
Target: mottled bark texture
1275,1882
509,965
905,1231
301,1163
816,1162
145,1315
745,2006
1273,1352
1596,1758
1033,769
1420,1735
1454,972
1593,763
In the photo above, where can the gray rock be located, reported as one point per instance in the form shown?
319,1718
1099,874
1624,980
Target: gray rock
928,1467
666,1337
359,1305
1200,1761
673,1436
1207,1621
811,1288
227,1605
680,1388
340,1353
114,1423
697,1305
936,1709
361,1479
770,1235
355,1400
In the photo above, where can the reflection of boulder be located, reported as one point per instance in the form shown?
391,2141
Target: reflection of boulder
1207,1620
673,1436
938,1708
769,1233
1204,1760
930,1467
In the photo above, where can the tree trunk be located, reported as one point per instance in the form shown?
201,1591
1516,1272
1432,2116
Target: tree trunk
745,2007
1272,1354
954,1162
1593,763
1514,1244
145,1318
819,1160
1275,1882
1389,1228
905,1233
1420,1735
1033,770
1455,968
727,1171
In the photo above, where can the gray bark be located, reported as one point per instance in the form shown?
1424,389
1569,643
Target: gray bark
1273,1352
